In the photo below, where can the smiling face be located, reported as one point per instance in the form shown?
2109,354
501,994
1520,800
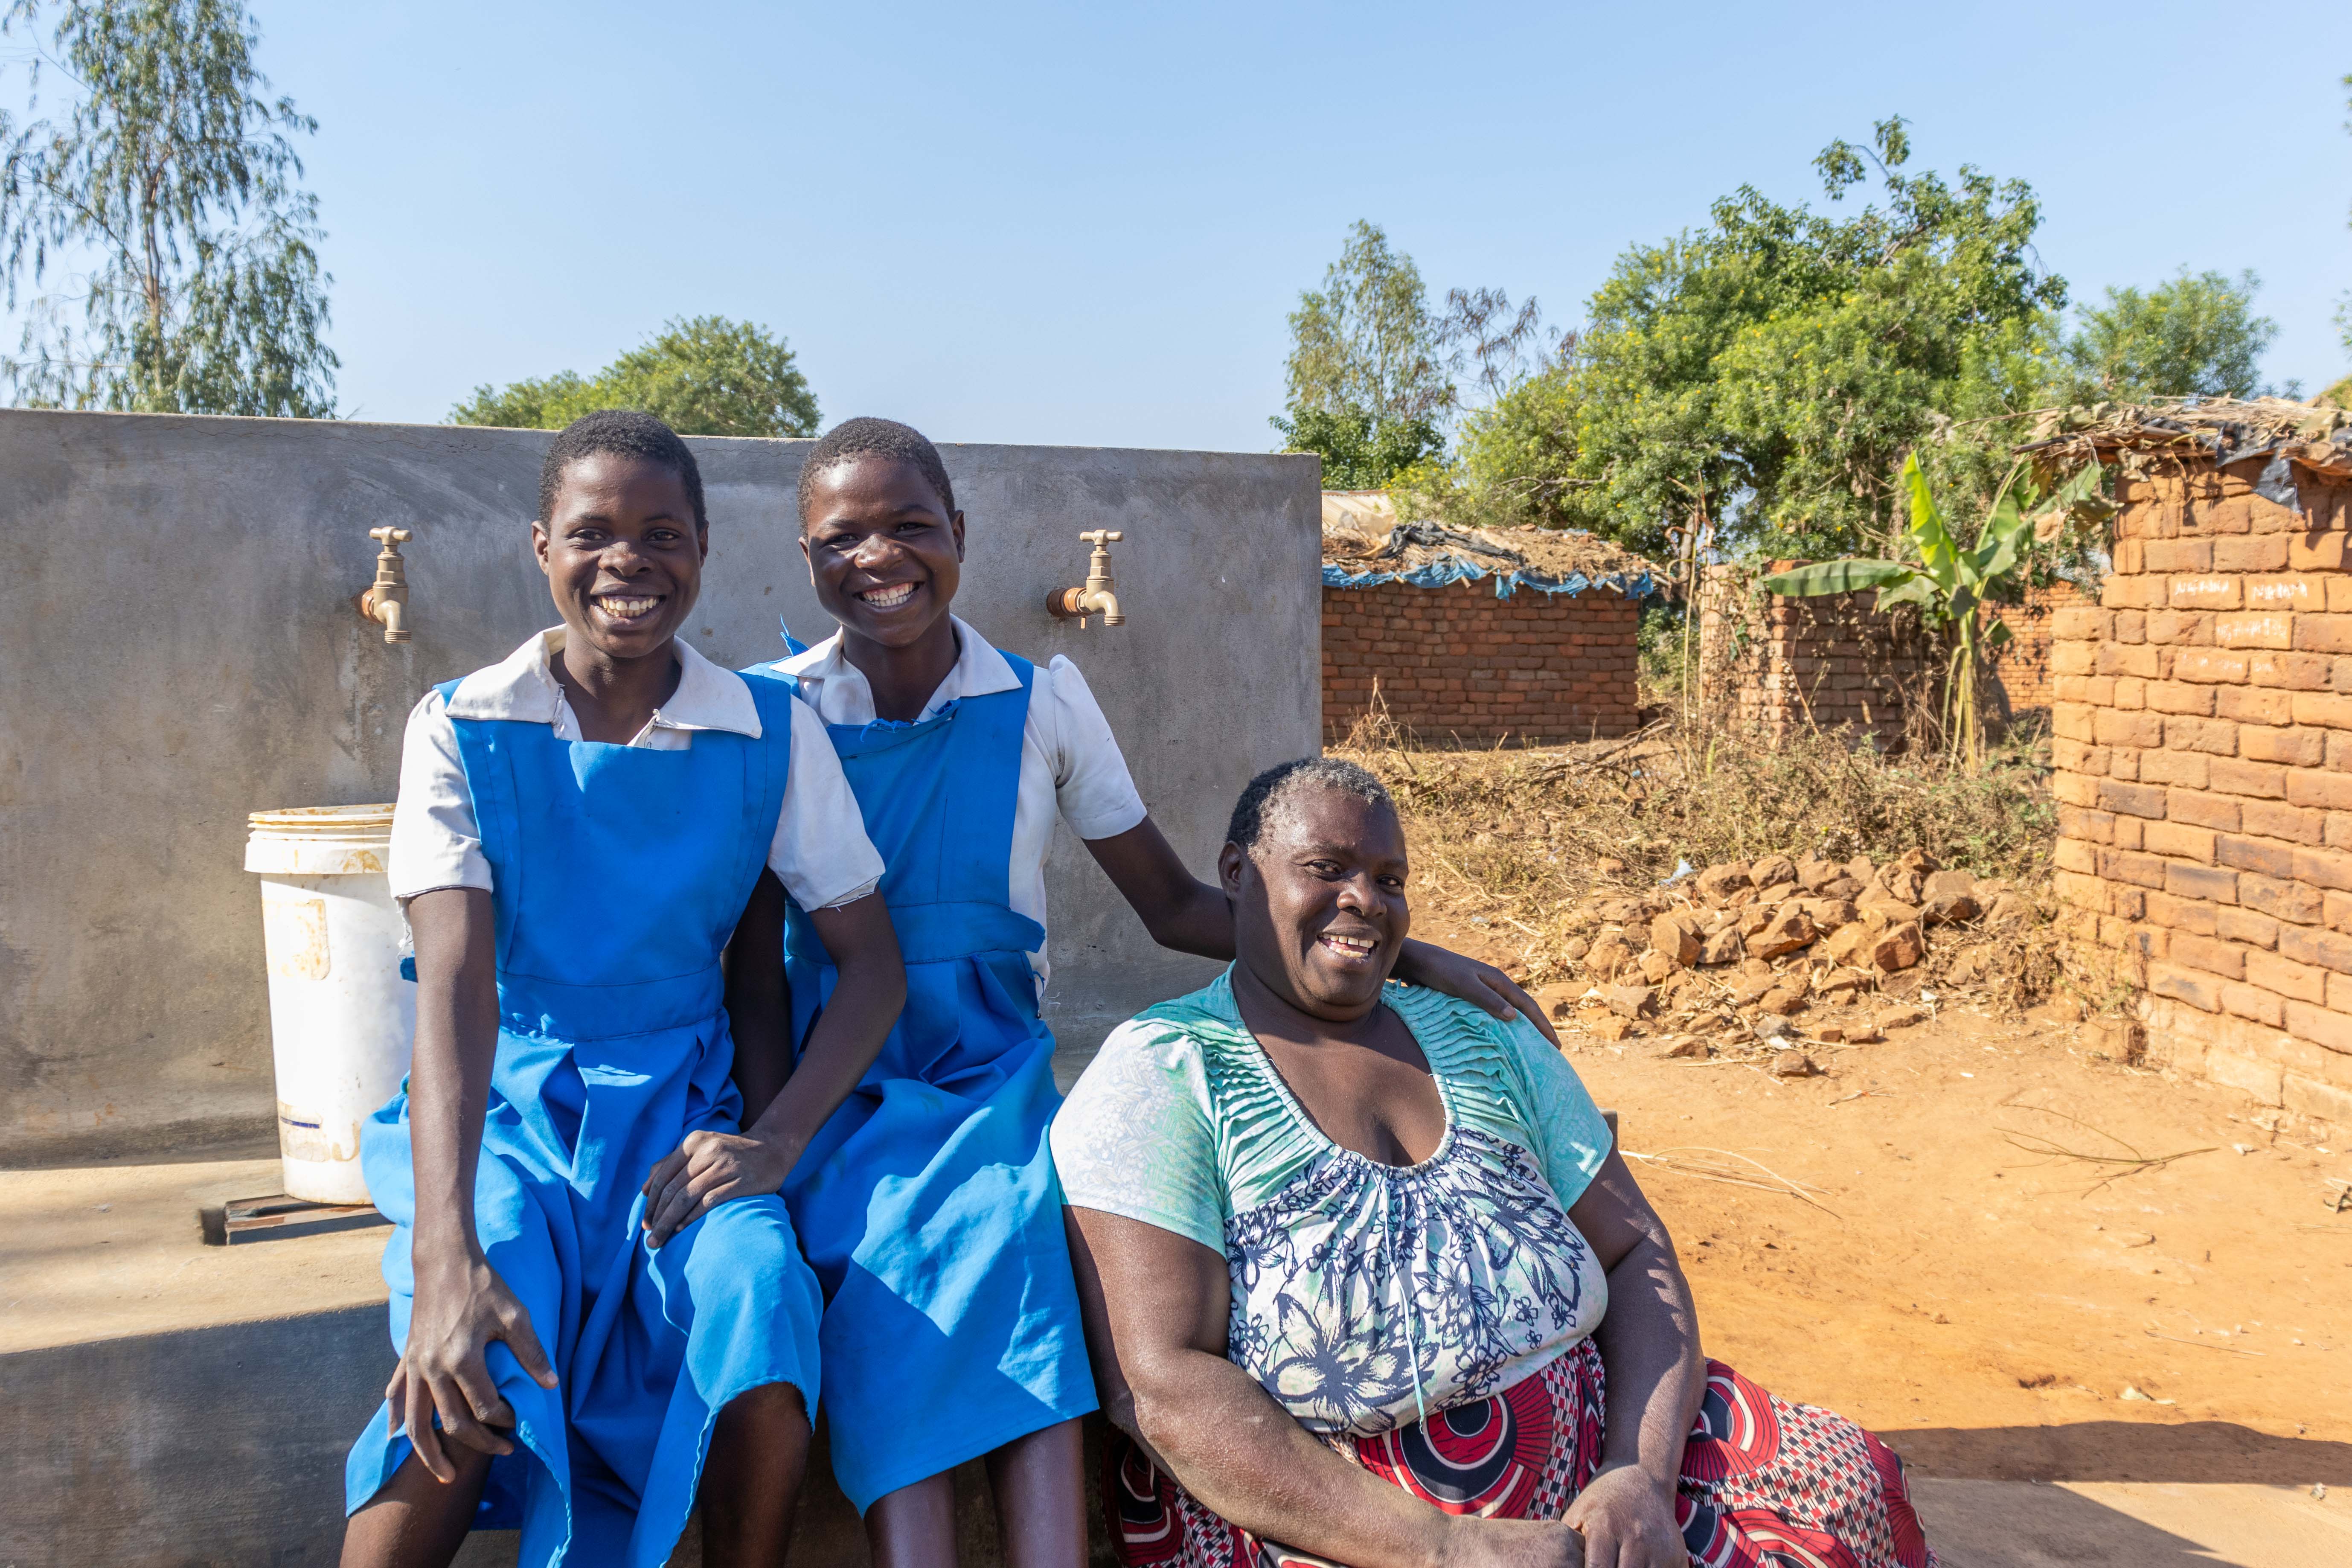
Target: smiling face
622,555
1319,909
884,554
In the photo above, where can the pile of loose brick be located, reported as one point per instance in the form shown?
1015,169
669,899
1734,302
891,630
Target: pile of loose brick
1458,662
1775,953
2204,756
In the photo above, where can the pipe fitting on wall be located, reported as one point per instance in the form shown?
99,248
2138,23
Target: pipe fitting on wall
386,601
1097,595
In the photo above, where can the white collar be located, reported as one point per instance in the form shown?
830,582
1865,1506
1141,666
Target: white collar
523,686
978,670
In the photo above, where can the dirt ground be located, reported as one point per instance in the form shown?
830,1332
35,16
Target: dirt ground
1982,1305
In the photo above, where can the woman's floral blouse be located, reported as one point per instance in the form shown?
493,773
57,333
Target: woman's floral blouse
1364,1295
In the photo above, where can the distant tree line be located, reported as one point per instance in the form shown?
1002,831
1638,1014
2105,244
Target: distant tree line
1769,371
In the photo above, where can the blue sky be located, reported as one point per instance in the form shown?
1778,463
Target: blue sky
1085,224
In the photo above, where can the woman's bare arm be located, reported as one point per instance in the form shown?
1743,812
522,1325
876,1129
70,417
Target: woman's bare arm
1649,1344
1156,1306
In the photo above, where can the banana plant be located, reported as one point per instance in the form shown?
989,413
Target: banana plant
1948,581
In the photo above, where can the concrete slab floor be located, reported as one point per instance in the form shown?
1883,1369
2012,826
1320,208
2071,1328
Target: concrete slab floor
2132,1524
101,1251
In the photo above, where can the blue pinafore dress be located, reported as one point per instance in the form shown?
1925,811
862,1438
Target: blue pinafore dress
619,875
928,1203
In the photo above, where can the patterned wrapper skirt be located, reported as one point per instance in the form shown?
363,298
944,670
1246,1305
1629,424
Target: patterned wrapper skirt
1765,1484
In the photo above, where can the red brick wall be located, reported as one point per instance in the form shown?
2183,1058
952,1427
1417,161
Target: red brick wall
1458,662
1780,664
2203,744
2018,669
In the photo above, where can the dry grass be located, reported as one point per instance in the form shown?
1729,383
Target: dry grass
1515,838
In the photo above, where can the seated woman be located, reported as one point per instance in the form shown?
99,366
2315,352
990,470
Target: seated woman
1364,1277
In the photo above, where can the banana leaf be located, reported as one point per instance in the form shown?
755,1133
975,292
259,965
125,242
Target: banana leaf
1936,550
1836,577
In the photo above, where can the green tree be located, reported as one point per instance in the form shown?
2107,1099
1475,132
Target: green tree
703,375
2196,336
1366,384
1773,368
169,190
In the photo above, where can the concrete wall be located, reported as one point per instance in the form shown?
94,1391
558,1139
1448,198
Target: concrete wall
1457,663
182,651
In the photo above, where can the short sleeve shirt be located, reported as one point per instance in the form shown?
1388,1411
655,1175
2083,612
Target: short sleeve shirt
819,850
1465,1267
1071,766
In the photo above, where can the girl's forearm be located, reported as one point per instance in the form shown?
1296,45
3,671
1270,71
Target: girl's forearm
1649,1343
869,989
449,1074
1198,921
1245,1460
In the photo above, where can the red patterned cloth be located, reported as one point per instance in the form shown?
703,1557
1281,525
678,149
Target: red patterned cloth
1765,1484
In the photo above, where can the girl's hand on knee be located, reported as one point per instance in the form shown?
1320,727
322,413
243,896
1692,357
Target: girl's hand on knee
461,1306
704,1172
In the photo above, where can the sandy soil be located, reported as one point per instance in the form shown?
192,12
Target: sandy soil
1983,1307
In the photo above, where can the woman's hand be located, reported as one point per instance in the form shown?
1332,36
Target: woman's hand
1480,984
460,1307
1513,1544
704,1172
1626,1521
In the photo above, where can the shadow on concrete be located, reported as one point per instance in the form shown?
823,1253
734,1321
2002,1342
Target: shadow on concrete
226,1139
2192,1451
2001,1524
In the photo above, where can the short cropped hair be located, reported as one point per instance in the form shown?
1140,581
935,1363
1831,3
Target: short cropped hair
868,437
620,432
1262,802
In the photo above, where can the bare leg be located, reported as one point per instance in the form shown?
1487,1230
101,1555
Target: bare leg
416,1521
751,1481
914,1526
1041,1498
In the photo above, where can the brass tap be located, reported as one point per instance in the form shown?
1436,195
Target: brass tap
1095,597
386,601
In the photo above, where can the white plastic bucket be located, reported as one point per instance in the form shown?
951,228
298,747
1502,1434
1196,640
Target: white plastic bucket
341,1018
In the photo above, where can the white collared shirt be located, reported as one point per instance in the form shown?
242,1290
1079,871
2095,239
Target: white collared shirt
1070,762
820,851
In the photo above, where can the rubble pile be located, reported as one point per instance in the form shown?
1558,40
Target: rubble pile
1773,953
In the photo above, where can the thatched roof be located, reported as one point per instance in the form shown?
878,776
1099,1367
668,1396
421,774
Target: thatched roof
2143,438
1364,543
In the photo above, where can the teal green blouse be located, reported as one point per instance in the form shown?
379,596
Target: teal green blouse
1364,1294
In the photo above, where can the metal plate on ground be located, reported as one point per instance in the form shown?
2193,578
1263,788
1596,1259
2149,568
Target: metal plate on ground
276,1217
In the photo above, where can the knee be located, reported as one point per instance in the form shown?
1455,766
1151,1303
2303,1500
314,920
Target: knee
771,1420
746,1238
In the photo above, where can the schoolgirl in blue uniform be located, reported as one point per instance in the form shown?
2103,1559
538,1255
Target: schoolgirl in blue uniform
601,1310
927,1205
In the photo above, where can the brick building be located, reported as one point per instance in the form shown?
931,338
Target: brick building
2203,717
1476,635
1775,665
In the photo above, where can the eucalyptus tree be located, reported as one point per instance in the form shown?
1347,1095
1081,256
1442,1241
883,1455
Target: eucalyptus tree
1366,383
155,235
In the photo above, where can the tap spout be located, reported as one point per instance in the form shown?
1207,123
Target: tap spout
1098,595
394,614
